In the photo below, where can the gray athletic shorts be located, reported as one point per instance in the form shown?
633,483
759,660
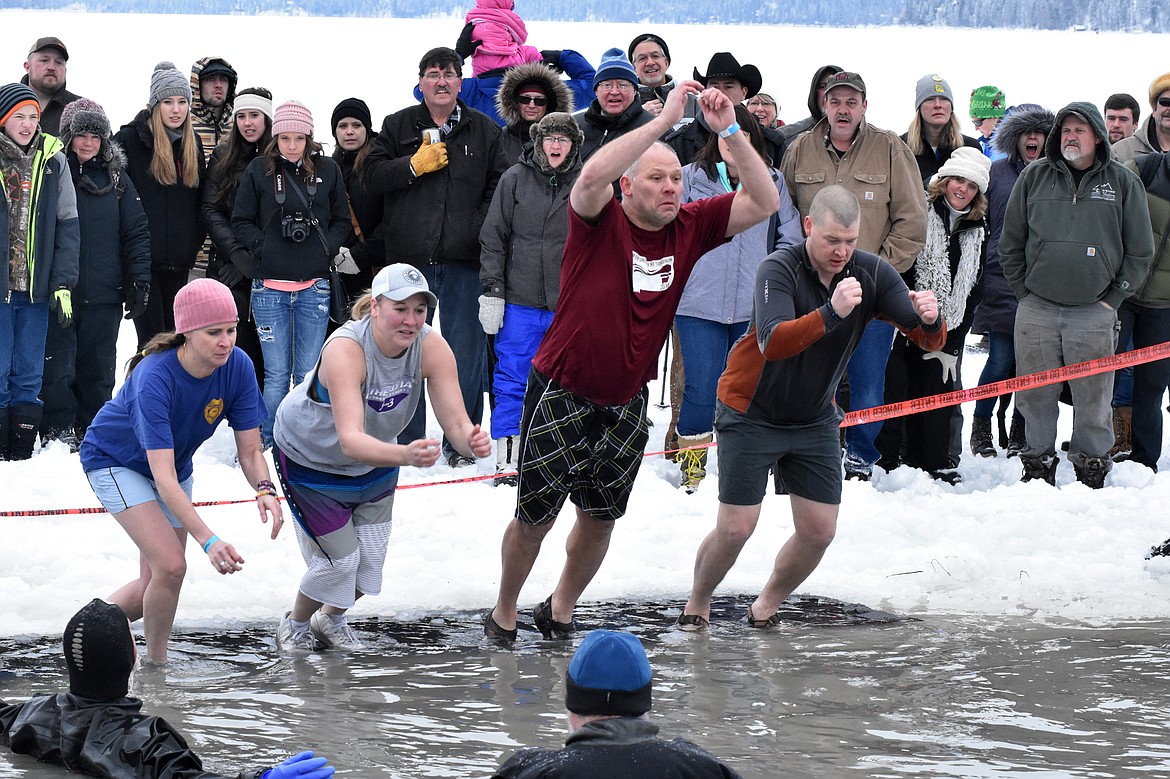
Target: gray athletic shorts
806,460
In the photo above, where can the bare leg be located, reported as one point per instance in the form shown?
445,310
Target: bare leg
519,550
734,525
816,525
154,595
584,552
334,610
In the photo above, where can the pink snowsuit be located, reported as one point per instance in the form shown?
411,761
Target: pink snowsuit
503,34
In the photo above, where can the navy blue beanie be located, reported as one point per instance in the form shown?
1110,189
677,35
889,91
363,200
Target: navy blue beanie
609,675
615,64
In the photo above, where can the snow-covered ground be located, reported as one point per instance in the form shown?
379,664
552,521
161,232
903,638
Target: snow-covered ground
990,546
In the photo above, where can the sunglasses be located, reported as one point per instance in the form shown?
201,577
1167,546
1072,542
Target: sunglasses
532,100
1164,102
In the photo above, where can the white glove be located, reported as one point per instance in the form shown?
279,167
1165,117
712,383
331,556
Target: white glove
948,362
344,262
491,314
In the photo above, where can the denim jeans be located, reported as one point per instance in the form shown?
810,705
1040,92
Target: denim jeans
516,343
291,327
23,327
1147,327
458,289
1001,358
867,387
1049,335
1123,377
704,345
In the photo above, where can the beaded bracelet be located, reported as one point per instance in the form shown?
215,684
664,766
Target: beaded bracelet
265,487
207,544
836,317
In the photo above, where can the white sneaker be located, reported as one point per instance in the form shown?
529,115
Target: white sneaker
291,636
333,633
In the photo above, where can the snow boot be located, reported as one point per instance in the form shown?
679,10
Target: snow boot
1122,434
24,423
981,437
1040,468
1017,438
3,434
1092,473
693,462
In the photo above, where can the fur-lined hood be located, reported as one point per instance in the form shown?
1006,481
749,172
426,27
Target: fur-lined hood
111,157
1021,120
558,123
561,98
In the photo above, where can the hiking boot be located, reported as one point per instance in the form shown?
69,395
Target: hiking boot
692,463
1092,473
1040,468
1122,434
981,438
65,435
456,460
948,475
1017,439
506,451
549,627
857,468
333,631
295,636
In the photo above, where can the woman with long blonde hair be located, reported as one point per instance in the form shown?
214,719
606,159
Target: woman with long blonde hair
164,159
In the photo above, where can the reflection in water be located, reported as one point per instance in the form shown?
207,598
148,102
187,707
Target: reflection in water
942,696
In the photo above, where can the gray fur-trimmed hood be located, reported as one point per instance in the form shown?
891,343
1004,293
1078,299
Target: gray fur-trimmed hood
561,98
1021,120
111,157
559,123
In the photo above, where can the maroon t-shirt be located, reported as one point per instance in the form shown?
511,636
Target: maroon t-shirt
620,287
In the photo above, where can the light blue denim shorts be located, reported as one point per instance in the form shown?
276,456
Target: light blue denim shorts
120,488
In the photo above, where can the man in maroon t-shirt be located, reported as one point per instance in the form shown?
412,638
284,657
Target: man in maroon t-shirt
584,425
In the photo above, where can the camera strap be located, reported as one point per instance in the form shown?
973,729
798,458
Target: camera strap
278,191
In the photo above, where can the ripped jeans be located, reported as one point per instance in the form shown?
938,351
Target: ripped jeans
291,327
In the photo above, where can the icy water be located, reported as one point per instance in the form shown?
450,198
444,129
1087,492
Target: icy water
833,693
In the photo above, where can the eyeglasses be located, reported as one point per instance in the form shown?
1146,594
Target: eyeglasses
1164,102
532,100
559,140
433,76
755,101
978,122
620,84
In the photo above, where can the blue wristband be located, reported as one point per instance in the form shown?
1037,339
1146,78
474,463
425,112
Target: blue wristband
207,544
729,131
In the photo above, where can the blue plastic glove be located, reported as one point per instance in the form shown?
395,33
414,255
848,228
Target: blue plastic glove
302,766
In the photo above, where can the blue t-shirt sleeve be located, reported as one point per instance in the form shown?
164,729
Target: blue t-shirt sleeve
246,409
150,407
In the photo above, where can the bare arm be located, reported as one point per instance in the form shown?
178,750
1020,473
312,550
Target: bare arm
438,368
594,187
223,556
758,199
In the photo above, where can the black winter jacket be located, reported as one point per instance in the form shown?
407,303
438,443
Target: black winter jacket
256,219
101,738
600,129
436,217
115,236
173,212
368,249
218,218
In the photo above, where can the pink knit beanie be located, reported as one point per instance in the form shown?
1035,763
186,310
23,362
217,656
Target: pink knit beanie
202,303
292,117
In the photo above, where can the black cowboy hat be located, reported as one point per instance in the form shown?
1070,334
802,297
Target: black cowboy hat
724,64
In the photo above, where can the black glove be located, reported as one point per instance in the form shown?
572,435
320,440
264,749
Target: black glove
465,47
137,294
230,275
245,263
552,58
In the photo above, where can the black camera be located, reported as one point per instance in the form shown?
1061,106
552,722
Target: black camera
295,227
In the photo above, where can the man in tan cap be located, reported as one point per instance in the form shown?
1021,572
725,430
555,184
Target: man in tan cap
45,73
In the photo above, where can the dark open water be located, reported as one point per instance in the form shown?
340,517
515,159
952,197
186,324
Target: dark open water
838,694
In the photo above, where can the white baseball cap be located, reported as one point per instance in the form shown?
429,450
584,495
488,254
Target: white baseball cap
399,281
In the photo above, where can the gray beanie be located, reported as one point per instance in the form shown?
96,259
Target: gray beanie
167,81
931,85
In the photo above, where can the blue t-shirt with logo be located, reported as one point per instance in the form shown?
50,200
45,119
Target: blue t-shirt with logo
161,406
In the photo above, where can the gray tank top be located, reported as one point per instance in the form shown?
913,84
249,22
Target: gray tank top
304,428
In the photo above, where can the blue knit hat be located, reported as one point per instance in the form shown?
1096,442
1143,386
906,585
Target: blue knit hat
615,64
609,675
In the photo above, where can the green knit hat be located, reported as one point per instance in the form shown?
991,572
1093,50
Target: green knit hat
988,102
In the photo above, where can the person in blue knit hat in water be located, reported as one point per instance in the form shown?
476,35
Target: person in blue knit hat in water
97,729
608,694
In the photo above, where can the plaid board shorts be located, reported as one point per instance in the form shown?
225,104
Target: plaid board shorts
571,447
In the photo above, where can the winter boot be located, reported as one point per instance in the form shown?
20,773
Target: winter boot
1017,438
693,462
65,435
24,423
981,437
3,434
1092,473
1122,432
506,451
1040,468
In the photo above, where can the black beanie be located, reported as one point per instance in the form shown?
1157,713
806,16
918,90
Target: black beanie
99,652
351,106
649,36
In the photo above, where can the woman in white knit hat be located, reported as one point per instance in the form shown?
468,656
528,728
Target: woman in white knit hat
291,214
950,265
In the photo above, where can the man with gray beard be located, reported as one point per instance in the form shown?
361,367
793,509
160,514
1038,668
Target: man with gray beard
1076,242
